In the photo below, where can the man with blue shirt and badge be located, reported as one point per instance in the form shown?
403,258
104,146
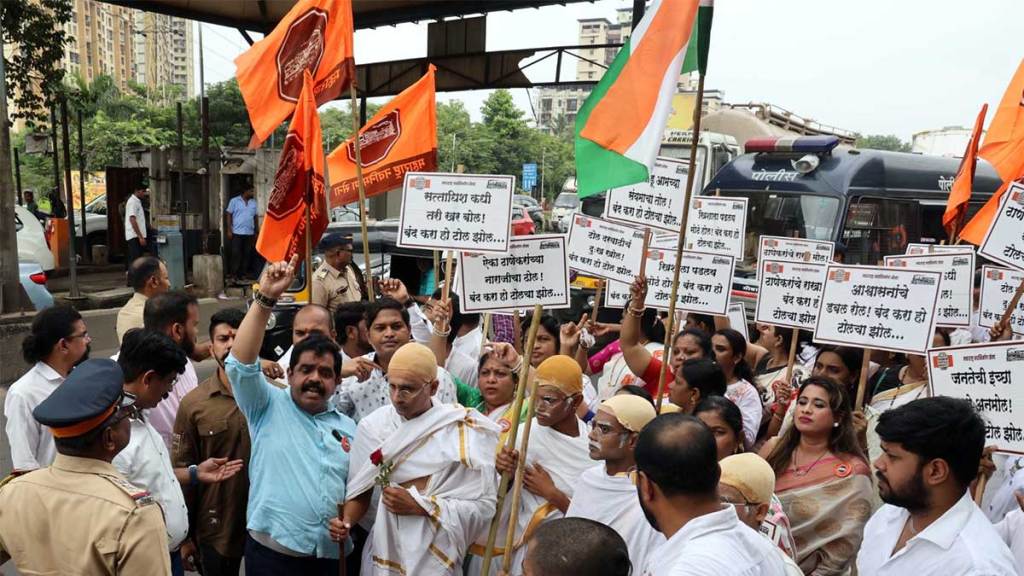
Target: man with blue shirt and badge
300,444
79,515
242,229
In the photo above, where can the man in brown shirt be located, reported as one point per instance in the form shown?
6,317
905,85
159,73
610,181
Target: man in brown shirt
209,424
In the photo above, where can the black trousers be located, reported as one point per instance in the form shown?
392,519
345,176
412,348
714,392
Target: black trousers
262,561
216,565
242,248
136,249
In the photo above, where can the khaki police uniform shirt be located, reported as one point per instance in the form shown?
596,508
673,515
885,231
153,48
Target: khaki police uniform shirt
79,516
332,288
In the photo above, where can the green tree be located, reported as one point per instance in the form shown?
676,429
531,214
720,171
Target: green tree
882,142
33,70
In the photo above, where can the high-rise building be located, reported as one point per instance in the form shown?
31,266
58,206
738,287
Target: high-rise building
164,54
100,40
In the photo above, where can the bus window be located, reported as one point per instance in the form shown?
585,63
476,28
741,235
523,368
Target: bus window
876,228
932,231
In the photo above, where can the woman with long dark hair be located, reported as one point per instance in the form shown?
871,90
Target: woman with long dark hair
730,350
822,478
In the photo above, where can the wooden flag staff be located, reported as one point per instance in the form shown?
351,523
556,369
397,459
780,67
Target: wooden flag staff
367,266
670,334
862,381
513,433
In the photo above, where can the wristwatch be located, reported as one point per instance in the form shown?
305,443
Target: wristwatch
193,475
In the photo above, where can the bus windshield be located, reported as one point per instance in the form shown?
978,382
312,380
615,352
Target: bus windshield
783,214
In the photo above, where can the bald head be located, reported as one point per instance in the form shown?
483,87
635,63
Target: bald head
678,453
312,319
576,546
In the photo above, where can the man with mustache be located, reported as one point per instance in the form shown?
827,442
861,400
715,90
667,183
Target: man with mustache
387,322
151,362
678,473
555,458
606,493
209,424
929,524
300,443
57,341
441,487
175,314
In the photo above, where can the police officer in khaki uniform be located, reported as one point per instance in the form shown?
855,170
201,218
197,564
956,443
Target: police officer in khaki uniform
79,516
337,280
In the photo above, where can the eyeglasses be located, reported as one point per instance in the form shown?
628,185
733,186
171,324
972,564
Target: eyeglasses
405,392
82,335
126,409
737,504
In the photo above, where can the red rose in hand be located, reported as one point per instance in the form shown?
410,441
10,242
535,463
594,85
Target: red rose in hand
377,457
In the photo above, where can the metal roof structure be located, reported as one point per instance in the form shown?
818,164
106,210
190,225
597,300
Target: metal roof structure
262,15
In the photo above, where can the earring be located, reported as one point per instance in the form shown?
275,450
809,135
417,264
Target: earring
835,425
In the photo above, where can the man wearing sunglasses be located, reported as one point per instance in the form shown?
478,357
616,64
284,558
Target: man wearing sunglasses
607,492
79,515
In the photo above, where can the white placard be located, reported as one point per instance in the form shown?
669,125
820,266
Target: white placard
997,288
878,308
470,212
956,289
1004,241
738,319
616,294
533,272
915,249
782,249
991,377
665,241
717,225
656,203
604,249
705,281
789,293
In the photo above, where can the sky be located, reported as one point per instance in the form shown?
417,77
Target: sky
872,66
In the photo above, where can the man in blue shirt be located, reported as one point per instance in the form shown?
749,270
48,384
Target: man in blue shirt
241,232
300,444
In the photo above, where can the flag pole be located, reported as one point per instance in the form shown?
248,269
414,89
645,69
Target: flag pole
669,336
367,268
513,432
309,235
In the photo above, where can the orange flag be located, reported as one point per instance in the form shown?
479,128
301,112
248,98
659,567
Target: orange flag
400,138
1004,149
315,35
299,182
960,195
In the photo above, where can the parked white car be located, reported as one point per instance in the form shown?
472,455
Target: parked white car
95,221
32,246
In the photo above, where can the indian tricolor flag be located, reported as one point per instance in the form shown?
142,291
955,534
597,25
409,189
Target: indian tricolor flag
619,127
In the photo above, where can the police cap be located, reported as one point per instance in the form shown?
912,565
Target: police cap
335,241
91,394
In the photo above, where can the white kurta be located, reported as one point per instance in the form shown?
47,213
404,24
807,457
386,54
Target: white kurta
454,448
564,458
613,501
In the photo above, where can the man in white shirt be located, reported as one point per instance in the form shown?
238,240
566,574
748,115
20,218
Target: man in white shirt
151,362
606,493
57,341
387,322
929,524
135,222
148,277
678,484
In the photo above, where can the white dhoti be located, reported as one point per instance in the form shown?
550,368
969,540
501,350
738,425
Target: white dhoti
613,501
453,448
564,458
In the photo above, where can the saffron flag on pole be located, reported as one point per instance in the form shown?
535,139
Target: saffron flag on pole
315,35
1004,149
400,138
960,195
299,182
620,126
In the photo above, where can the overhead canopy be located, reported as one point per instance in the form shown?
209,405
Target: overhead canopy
262,15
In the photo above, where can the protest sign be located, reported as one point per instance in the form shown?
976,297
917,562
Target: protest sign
705,281
956,289
1004,242
789,293
604,249
991,377
656,203
879,308
915,249
782,249
456,211
616,294
717,225
738,319
997,288
533,272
